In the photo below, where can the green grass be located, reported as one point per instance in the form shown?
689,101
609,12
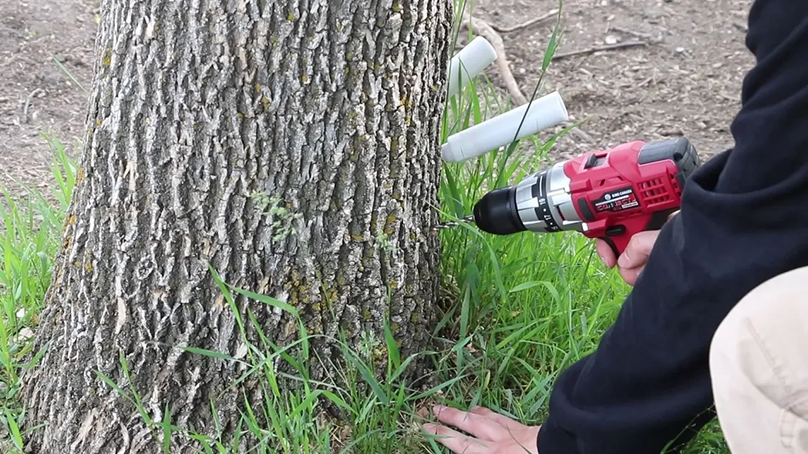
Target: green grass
526,307
29,239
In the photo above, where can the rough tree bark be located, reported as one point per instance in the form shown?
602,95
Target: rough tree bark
290,144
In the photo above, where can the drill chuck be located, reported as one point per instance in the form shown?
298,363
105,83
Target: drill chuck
540,203
496,212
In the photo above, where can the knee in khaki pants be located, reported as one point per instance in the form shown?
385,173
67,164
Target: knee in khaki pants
759,368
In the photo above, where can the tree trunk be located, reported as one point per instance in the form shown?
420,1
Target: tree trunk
292,145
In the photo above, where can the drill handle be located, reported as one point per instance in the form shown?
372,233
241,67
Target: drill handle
684,155
619,236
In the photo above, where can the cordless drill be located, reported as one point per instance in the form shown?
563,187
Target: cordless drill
611,194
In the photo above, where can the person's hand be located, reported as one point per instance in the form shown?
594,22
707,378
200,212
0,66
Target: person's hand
632,261
491,433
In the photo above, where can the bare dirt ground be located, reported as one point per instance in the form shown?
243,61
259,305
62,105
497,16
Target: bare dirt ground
686,80
36,96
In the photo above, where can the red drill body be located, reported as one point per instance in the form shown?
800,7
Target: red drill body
611,194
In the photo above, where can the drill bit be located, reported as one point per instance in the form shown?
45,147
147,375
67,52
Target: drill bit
450,224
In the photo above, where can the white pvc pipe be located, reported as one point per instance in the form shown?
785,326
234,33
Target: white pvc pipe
472,60
545,112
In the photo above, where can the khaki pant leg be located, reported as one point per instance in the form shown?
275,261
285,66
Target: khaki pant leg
759,368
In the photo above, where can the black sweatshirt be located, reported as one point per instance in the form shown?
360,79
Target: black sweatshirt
743,220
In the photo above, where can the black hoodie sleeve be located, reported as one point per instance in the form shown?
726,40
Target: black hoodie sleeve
743,220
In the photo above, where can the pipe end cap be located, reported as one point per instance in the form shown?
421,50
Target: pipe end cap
451,154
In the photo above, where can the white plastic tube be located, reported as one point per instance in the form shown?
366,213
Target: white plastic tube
469,62
545,112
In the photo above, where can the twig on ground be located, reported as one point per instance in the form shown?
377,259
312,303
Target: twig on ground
525,24
28,104
592,50
12,31
645,82
484,29
633,33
